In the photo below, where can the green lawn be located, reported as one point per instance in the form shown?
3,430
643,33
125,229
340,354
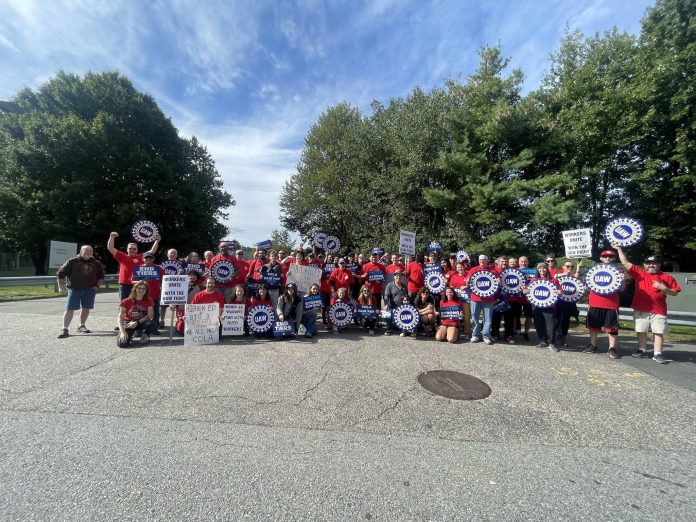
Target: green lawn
23,271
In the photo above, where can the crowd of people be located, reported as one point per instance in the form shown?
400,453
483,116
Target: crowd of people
381,282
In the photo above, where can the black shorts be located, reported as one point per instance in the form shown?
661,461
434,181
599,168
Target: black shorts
603,319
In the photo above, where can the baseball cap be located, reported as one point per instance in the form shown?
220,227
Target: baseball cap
223,245
148,254
240,251
653,259
607,253
483,257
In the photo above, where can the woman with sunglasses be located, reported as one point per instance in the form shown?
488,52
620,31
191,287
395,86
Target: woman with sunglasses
136,315
564,310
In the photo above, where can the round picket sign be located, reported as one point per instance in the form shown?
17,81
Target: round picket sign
512,281
222,271
436,282
320,239
406,317
170,267
341,314
604,279
624,231
572,288
484,283
542,293
332,244
260,319
144,231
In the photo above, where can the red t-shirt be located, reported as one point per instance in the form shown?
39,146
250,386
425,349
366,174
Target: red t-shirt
458,281
649,299
471,272
126,265
204,297
414,271
444,304
255,269
375,288
341,278
134,309
608,302
394,267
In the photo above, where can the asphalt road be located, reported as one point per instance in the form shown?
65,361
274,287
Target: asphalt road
334,429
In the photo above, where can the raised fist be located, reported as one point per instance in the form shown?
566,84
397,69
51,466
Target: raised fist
113,234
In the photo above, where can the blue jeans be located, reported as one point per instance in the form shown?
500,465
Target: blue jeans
476,307
309,321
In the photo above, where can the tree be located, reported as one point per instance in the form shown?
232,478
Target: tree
90,155
281,240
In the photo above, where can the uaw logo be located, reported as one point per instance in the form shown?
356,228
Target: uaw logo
436,282
222,271
406,317
512,281
332,244
542,293
484,283
260,319
341,314
624,231
320,240
171,267
572,288
144,231
462,255
604,279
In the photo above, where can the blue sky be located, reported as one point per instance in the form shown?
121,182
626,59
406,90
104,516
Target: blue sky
248,78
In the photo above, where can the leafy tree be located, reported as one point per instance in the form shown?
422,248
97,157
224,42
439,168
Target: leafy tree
281,240
90,155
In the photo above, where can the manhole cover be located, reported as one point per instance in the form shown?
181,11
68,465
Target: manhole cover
454,385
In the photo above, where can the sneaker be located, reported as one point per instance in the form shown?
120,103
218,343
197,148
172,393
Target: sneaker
144,338
553,348
475,339
64,333
116,329
614,354
161,324
488,342
591,348
465,337
639,354
658,358
388,332
510,340
335,330
308,335
372,332
83,329
525,336
157,332
563,341
402,334
542,344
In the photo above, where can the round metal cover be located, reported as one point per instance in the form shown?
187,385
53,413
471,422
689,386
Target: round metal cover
454,385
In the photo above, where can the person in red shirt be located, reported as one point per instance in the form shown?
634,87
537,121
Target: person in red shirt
299,259
256,267
135,314
210,295
341,277
240,267
155,285
551,261
416,277
395,265
481,304
603,313
375,286
127,262
650,302
449,328
458,281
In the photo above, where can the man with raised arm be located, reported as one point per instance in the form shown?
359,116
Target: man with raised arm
649,302
127,262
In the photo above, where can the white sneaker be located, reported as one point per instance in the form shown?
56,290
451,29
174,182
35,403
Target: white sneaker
335,330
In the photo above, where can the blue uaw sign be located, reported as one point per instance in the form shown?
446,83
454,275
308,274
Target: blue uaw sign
144,231
341,314
463,295
501,305
378,251
435,246
436,282
271,279
146,273
320,239
462,255
311,302
332,244
512,281
406,317
572,288
260,319
264,245
375,276
542,293
365,312
222,271
170,267
484,283
624,231
283,329
196,267
604,279
450,312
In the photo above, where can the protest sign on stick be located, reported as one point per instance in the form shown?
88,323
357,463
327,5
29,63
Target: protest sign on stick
303,276
202,323
407,243
578,243
174,290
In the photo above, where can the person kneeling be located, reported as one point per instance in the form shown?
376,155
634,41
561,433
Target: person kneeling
136,314
449,308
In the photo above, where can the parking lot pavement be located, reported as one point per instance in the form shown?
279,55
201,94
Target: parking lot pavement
336,427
